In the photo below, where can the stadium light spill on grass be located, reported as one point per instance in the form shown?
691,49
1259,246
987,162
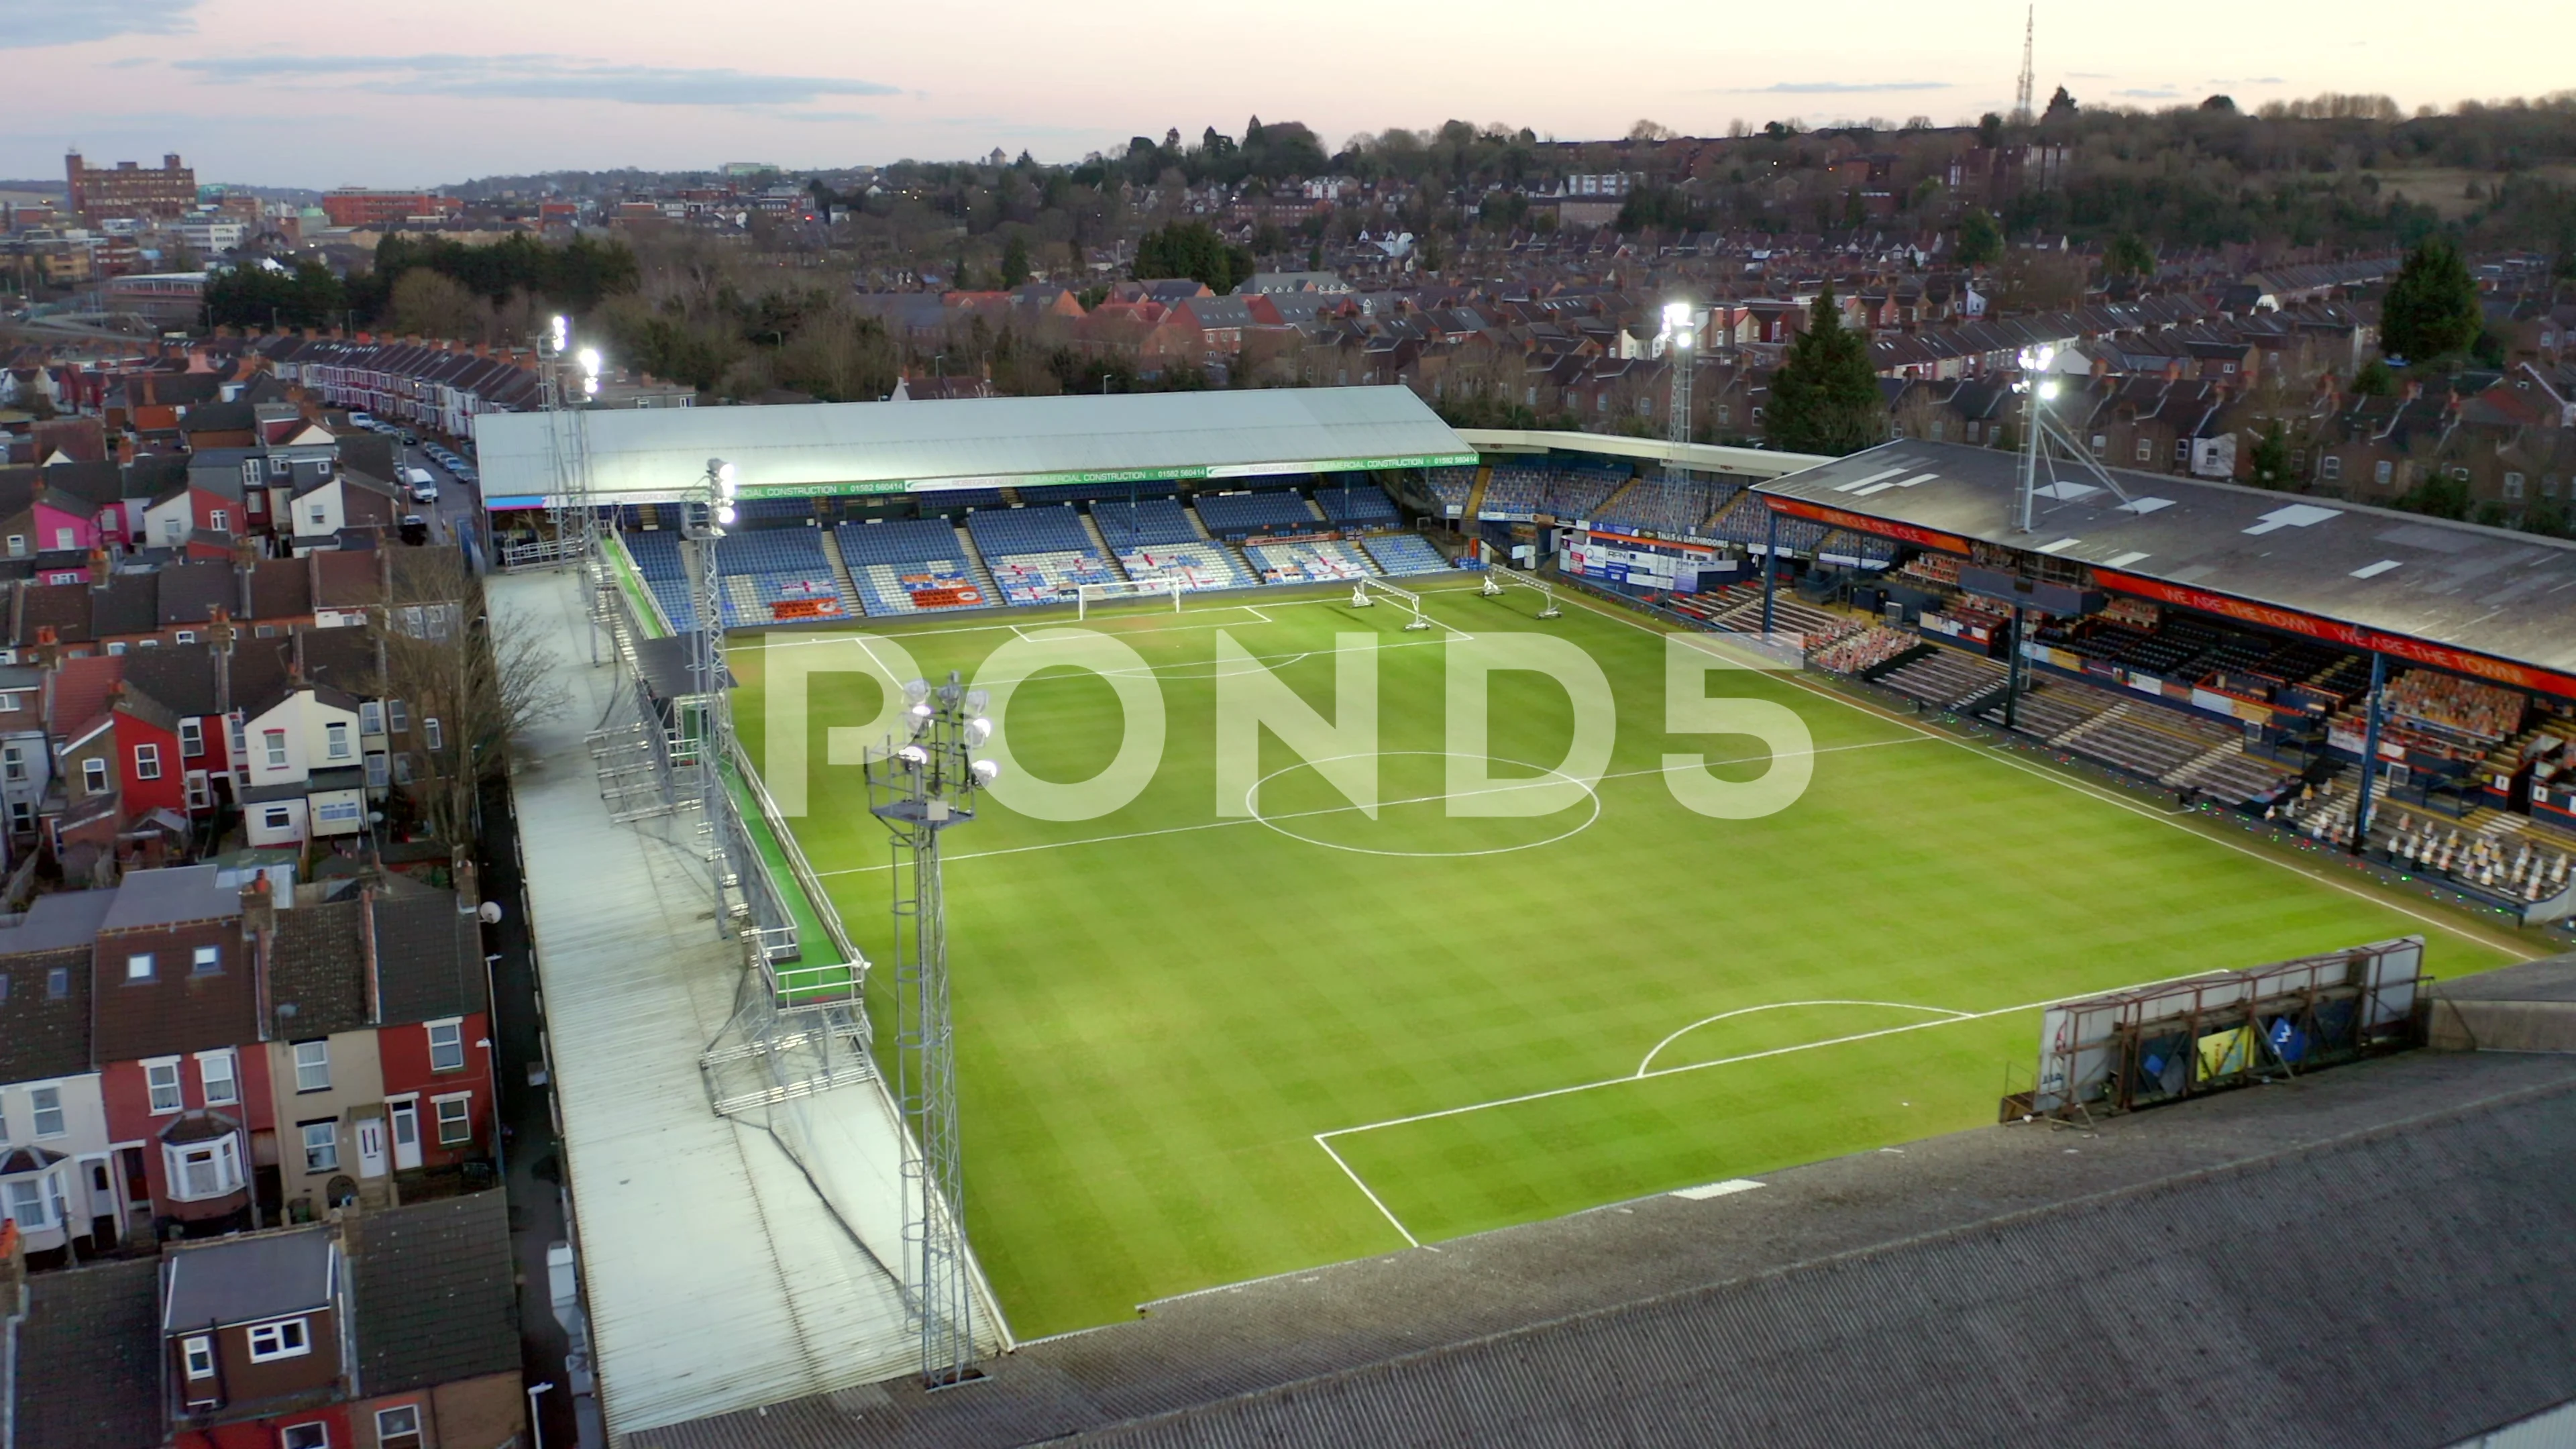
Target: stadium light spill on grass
1155,1032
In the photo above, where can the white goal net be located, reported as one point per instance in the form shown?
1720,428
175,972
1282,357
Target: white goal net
1084,595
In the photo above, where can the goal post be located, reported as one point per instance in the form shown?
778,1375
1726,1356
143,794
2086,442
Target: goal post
1496,579
1367,589
1083,594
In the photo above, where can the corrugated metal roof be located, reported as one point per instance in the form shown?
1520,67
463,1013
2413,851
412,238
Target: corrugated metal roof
2506,595
715,1275
641,454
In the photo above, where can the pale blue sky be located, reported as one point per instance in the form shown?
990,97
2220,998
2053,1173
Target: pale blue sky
251,90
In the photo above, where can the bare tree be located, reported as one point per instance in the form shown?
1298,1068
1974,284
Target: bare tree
471,683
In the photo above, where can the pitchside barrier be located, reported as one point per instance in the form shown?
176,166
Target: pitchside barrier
2176,1039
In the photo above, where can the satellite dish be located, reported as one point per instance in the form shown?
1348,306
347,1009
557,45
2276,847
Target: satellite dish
489,913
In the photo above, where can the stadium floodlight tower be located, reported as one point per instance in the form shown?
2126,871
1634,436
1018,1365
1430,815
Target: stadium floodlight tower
921,786
1679,328
707,516
2038,429
566,379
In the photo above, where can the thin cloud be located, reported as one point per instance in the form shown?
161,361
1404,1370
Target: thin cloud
529,77
2156,95
1839,88
28,24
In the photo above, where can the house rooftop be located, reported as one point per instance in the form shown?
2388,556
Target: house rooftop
436,1303
249,1278
147,898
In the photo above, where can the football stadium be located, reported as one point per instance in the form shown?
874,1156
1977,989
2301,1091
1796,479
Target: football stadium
1380,835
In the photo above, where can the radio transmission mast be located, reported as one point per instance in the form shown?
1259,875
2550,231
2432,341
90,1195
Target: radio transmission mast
2022,112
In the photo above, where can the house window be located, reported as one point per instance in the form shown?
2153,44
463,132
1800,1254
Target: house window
317,514
336,812
2513,485
58,983
2330,467
431,735
13,764
183,636
446,1046
278,817
22,816
402,770
192,737
208,1169
283,1339
48,1105
138,966
2099,442
2382,472
1940,430
201,793
94,775
17,545
161,1080
116,647
313,1066
220,520
28,1206
219,1072
335,739
398,1428
275,743
241,746
376,772
147,762
2182,450
2146,450
455,1119
65,538
199,1351
206,961
306,1436
371,718
399,714
321,1146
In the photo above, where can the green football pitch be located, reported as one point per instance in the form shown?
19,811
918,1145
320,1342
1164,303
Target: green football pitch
1196,1048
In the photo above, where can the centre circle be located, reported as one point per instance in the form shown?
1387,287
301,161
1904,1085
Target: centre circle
1252,802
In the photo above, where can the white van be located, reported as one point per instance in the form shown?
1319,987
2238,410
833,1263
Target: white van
424,488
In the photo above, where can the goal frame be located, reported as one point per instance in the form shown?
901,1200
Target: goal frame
1083,594
1404,599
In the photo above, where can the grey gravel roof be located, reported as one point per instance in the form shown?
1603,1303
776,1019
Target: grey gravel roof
246,1279
89,1368
162,897
2504,594
2374,1255
436,1301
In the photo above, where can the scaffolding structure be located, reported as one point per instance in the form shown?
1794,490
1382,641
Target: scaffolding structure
566,379
920,787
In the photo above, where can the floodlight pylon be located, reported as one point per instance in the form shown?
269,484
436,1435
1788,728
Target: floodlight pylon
920,784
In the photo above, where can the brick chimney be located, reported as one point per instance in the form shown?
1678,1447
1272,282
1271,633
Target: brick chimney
98,568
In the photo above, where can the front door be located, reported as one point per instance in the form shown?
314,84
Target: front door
406,1127
371,1147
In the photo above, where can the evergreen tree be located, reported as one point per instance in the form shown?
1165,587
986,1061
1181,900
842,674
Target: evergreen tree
1824,397
2270,460
1980,239
1015,261
2432,308
2128,256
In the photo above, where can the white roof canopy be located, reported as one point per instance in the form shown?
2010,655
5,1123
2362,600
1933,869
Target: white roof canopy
646,455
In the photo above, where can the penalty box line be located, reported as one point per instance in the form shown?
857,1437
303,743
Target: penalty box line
1502,789
1324,1139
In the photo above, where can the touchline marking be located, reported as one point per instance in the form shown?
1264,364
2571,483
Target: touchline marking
2516,949
896,630
1365,1191
1951,1020
1776,1006
1382,804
